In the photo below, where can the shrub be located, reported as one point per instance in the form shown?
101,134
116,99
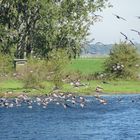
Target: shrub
51,69
34,73
6,64
74,75
122,61
58,59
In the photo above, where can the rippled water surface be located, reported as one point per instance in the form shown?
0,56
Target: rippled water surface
118,120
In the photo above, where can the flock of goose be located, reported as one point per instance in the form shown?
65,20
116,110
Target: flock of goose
58,98
63,99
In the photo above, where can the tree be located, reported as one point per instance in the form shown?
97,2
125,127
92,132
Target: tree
18,24
122,61
44,25
67,26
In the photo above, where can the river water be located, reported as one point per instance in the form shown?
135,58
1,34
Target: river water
119,119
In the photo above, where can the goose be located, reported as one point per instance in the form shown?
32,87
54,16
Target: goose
135,31
119,17
99,89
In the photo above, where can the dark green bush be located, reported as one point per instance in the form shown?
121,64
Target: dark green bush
58,59
6,64
51,69
34,73
123,62
74,76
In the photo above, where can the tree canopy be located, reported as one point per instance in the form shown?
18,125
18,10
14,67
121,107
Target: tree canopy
40,26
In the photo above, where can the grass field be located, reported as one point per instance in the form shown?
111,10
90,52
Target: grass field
86,66
111,87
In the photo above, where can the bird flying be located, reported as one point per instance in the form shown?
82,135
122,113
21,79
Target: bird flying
124,35
127,38
138,17
119,17
131,42
97,15
135,31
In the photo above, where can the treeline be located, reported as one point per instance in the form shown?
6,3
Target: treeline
101,49
39,26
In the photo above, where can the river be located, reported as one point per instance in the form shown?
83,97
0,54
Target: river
119,119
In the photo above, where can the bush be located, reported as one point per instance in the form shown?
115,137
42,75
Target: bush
74,76
58,59
122,61
96,76
51,69
6,64
34,73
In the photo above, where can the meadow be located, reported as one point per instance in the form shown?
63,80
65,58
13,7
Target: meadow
14,87
85,66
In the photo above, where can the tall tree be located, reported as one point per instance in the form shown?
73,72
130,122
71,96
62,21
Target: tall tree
66,23
19,19
44,25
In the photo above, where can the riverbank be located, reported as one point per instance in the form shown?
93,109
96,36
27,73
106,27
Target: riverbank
15,87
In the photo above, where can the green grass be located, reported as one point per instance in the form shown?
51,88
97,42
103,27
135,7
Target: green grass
13,84
86,66
116,87
112,87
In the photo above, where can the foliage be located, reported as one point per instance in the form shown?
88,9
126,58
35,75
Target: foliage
34,73
51,69
18,24
6,64
58,59
122,62
95,76
68,25
72,76
44,25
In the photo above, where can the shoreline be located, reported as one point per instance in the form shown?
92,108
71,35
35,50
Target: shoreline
16,87
14,95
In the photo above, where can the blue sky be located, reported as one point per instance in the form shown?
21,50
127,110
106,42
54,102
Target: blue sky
108,30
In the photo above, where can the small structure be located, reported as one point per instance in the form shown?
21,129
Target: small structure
20,65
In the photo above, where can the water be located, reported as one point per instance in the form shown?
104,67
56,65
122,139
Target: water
118,120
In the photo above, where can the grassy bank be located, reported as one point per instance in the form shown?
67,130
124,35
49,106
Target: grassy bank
111,87
85,66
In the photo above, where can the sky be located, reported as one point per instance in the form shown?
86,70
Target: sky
108,30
